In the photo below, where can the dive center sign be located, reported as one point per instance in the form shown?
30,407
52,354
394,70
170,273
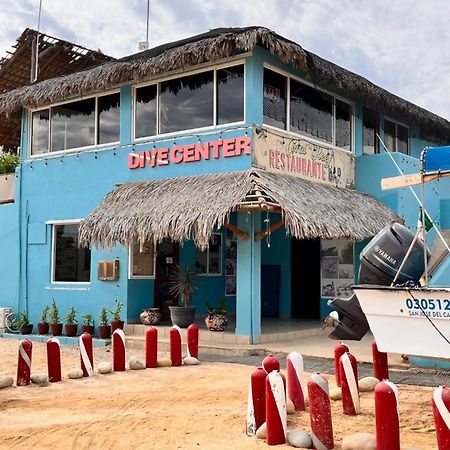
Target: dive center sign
299,157
177,154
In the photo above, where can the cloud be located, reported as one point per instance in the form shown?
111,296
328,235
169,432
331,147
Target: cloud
400,45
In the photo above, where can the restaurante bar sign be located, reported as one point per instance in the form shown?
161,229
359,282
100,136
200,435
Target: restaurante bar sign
221,148
282,153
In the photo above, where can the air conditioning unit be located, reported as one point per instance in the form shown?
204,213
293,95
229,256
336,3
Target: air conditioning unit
3,313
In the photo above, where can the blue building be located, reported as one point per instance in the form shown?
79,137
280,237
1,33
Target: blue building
235,152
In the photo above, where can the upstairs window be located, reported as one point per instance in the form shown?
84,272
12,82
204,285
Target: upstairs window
311,112
187,103
77,124
71,263
205,99
274,101
371,127
209,261
396,137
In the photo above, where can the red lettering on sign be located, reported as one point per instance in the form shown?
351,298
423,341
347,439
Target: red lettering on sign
163,156
216,148
271,158
176,154
189,153
228,148
201,151
243,145
134,161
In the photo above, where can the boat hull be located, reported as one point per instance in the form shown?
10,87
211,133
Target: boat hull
408,321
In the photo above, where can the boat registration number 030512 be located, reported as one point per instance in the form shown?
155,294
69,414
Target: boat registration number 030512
431,307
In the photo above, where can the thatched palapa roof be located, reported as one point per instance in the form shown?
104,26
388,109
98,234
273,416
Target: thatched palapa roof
192,207
216,45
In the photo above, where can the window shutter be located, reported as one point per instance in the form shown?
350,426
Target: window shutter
108,270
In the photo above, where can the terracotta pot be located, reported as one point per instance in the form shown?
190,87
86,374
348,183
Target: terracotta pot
150,316
104,331
56,329
116,325
87,329
43,328
216,322
71,329
27,329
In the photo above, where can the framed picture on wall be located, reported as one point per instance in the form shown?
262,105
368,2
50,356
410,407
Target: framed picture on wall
230,263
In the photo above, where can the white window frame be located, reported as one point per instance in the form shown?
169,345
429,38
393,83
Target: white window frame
53,224
397,123
207,274
158,81
74,149
334,97
130,265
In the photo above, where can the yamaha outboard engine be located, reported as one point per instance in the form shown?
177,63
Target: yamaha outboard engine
379,263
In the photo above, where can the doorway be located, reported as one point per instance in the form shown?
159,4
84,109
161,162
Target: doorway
167,257
305,278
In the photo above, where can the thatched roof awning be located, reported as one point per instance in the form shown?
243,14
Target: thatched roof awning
192,207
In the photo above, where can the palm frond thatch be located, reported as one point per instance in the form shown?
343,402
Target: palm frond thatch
215,45
191,207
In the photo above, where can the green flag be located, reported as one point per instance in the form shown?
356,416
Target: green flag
428,223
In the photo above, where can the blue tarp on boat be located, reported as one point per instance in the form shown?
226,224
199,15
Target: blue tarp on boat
437,158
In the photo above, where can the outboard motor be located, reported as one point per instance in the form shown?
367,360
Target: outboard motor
379,263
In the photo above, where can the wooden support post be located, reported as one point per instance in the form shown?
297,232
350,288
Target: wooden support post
272,228
242,234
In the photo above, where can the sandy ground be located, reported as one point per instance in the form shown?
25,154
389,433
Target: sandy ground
166,408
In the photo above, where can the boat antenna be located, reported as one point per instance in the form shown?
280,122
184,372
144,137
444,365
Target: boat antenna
144,45
424,211
35,56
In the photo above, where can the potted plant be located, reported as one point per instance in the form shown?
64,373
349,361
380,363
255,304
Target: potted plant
24,325
43,321
71,322
116,322
183,284
88,324
55,324
216,319
104,329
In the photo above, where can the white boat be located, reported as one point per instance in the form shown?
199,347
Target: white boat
404,314
411,321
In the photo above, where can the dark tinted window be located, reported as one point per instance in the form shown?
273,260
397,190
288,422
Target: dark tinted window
146,111
40,132
71,263
402,139
274,103
73,125
343,125
230,95
370,130
186,103
311,112
109,118
389,135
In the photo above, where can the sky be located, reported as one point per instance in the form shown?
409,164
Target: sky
400,45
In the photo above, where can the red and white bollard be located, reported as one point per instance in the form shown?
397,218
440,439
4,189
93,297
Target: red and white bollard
441,412
339,350
151,348
256,408
24,364
386,416
348,371
271,363
118,344
276,414
192,340
175,346
320,412
54,360
86,355
296,380
380,363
